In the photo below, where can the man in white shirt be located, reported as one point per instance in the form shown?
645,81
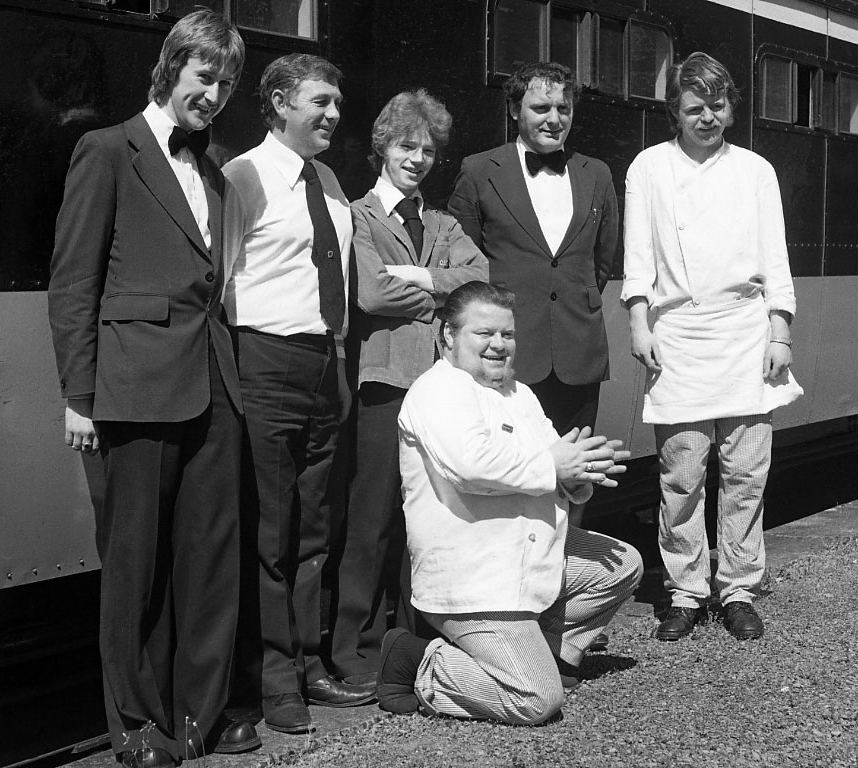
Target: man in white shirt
705,248
518,594
547,221
288,234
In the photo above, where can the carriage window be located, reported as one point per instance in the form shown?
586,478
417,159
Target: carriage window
520,34
776,89
848,104
610,55
570,41
650,54
827,118
295,18
178,8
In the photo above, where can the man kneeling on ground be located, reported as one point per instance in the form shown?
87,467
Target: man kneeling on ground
518,594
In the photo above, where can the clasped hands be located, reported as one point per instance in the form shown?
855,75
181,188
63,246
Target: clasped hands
579,457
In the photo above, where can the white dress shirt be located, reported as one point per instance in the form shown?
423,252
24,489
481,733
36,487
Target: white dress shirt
272,284
389,197
551,197
486,526
704,234
184,165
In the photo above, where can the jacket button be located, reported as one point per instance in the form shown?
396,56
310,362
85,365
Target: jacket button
554,262
62,383
532,537
553,296
209,277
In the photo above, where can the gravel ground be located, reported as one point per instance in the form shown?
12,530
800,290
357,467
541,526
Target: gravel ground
787,700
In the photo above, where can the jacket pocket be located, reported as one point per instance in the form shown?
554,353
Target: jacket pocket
594,298
149,307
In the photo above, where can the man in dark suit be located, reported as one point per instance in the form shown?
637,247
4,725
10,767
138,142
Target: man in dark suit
145,361
547,222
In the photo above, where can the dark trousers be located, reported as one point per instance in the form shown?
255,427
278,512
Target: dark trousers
375,562
168,539
291,405
567,405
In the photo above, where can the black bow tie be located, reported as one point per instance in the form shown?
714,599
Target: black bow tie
556,161
196,141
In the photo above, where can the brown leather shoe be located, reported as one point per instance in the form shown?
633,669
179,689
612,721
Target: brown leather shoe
332,692
678,623
287,713
742,621
239,736
147,757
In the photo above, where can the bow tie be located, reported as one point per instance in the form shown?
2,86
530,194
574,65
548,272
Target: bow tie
556,161
196,141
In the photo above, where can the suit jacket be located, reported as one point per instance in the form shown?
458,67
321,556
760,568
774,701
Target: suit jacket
134,297
558,311
397,325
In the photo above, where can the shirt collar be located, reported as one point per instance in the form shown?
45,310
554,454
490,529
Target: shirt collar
522,148
161,124
713,158
286,160
389,196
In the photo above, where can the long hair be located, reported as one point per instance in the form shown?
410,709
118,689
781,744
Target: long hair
702,74
205,35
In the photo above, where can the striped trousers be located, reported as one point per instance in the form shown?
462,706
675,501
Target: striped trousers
501,666
744,446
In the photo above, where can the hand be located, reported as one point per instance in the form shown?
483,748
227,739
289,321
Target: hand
344,391
416,276
777,360
645,349
580,458
81,432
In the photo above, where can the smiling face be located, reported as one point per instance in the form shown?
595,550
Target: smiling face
308,117
544,116
701,119
407,160
484,344
200,92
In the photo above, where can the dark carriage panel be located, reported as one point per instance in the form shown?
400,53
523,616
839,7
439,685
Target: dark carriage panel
799,160
724,33
841,242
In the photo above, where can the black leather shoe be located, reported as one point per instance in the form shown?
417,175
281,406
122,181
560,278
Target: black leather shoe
287,713
362,678
678,623
331,692
600,643
570,675
742,621
147,757
239,736
401,654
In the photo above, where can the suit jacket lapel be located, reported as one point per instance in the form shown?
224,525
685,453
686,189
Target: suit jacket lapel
431,228
156,174
583,188
398,230
508,180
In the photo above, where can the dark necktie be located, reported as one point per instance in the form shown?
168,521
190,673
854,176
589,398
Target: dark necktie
326,252
407,208
196,141
556,161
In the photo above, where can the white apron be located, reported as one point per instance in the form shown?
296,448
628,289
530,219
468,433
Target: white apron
712,364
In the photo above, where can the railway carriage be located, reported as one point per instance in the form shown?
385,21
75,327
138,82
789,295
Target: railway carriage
73,65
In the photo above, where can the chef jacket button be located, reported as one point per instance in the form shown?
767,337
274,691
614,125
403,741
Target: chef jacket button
532,537
553,296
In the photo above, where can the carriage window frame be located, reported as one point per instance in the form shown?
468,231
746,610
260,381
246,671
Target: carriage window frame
812,90
590,62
